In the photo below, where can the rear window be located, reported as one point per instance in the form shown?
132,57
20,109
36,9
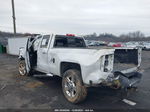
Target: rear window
72,42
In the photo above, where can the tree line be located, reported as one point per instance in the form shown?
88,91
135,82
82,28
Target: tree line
131,36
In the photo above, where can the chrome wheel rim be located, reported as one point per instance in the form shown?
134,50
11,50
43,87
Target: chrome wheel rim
22,69
70,86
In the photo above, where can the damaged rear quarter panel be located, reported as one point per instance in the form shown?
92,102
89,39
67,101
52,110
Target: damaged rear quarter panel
88,59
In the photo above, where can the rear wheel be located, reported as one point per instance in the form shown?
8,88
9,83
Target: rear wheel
73,87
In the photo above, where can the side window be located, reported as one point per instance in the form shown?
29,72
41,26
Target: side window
36,43
45,41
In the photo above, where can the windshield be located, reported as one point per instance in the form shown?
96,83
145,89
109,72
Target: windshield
68,41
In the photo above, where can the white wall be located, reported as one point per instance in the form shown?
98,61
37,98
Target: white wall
15,43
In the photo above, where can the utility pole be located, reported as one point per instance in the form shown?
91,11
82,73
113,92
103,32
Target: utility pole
13,16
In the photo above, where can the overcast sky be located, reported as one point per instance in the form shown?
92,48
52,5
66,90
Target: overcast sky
77,16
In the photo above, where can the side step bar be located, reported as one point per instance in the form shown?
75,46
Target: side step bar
39,74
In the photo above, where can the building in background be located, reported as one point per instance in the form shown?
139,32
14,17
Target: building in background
15,43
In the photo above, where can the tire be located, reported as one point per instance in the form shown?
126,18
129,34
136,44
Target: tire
22,69
73,87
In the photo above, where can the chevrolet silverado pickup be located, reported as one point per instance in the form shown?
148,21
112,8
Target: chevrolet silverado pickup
79,66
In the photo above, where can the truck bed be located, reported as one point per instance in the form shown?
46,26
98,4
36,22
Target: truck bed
123,66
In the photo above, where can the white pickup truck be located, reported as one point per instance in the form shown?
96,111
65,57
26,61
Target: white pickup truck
80,67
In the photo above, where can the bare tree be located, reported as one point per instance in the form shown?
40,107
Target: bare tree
136,34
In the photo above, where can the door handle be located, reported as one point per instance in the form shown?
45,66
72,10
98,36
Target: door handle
52,60
44,52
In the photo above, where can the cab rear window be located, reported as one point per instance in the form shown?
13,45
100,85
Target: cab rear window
72,42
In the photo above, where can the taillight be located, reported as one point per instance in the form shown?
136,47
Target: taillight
106,63
71,35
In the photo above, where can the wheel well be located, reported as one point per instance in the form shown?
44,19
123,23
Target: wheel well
21,58
64,66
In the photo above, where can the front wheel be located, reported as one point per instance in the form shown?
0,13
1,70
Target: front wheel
73,87
22,68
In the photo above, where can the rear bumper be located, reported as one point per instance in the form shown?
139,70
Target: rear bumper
119,79
130,79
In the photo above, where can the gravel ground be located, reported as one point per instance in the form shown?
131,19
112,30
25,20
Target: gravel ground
17,92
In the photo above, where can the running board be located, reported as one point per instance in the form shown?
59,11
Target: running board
43,75
51,75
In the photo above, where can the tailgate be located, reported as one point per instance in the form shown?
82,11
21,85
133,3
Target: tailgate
126,58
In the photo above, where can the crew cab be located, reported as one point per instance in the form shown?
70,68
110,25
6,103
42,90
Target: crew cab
79,66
